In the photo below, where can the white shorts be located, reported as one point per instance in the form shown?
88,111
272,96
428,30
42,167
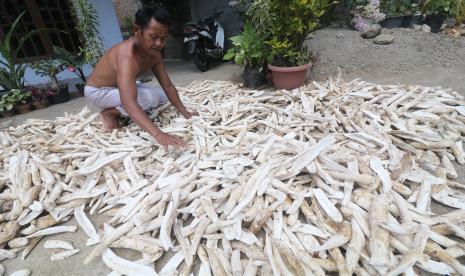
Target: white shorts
148,97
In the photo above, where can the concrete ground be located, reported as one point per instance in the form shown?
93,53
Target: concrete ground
183,73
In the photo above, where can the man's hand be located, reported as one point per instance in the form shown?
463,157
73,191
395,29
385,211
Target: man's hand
168,140
189,114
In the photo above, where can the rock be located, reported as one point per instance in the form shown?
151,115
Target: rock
453,32
462,32
339,35
425,28
443,26
386,31
384,39
372,31
417,27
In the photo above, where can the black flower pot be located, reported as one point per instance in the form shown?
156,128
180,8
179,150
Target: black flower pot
413,20
61,96
80,88
41,104
253,78
7,113
24,108
435,22
394,22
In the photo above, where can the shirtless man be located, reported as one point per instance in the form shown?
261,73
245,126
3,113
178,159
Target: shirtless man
112,85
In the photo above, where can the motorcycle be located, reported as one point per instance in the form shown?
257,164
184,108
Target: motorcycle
205,41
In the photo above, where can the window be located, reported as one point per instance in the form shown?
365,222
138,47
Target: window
54,15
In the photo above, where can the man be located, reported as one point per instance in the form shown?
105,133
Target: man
112,85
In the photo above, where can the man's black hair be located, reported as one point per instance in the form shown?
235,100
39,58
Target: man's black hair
145,14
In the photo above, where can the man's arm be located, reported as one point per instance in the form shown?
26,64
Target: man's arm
160,73
127,74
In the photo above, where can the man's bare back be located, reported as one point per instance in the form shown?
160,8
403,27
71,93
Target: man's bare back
105,72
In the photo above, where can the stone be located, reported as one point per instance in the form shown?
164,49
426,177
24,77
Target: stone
462,32
386,31
384,39
417,27
372,31
425,28
453,32
443,26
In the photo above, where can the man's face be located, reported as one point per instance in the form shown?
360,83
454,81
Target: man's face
153,37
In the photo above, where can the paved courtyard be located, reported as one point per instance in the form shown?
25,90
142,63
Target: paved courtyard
182,73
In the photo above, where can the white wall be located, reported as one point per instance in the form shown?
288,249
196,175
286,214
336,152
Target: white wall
109,31
109,26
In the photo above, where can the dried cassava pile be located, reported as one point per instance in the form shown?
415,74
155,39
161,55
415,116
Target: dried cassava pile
331,177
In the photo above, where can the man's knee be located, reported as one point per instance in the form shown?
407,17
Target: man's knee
158,95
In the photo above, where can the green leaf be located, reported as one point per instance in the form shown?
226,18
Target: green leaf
239,59
7,40
229,55
26,37
236,40
12,74
292,22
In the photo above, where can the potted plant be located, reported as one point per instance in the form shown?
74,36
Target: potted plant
39,97
59,96
251,52
22,100
398,12
366,14
50,68
89,36
292,22
12,72
73,63
436,11
7,103
415,19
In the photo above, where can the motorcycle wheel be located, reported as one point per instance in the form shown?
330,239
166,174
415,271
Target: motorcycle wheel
201,61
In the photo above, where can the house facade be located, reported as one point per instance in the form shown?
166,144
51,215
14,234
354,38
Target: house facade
186,11
54,14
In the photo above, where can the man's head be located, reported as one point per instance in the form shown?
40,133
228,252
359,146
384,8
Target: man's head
151,28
